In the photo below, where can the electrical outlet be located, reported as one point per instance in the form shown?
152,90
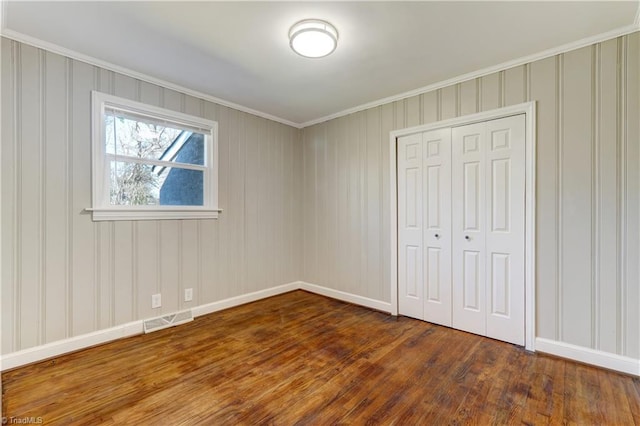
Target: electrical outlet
156,301
188,294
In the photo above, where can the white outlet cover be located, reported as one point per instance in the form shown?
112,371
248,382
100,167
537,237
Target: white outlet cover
156,301
188,294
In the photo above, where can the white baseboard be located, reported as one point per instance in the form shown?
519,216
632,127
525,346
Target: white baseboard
346,297
242,299
53,349
602,359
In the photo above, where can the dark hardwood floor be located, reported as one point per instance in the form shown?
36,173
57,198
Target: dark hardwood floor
300,358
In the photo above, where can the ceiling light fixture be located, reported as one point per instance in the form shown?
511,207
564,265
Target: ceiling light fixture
313,38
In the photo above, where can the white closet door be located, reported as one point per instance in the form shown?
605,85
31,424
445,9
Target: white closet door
505,183
410,216
437,226
468,222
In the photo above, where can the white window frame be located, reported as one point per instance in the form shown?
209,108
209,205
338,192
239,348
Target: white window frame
102,209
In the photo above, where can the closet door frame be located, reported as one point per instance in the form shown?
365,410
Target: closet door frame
529,110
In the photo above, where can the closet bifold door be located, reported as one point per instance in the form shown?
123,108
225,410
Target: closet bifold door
410,216
488,187
437,226
468,199
505,228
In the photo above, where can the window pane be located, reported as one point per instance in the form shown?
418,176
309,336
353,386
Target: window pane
134,184
143,139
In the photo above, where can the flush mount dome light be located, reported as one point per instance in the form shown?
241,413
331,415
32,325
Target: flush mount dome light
313,38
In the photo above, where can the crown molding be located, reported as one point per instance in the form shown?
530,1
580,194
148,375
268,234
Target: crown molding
51,47
54,48
483,72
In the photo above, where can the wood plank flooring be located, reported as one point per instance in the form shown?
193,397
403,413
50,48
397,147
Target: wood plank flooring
300,358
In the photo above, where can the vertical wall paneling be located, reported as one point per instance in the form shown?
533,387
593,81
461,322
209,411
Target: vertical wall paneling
363,219
83,241
29,160
386,125
9,68
255,162
468,97
66,275
448,102
587,190
595,196
332,213
558,181
576,202
631,95
515,85
413,115
124,274
321,200
42,229
621,201
490,92
374,207
429,107
605,194
354,204
543,90
342,202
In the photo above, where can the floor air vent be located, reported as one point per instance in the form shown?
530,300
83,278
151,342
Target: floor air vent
166,321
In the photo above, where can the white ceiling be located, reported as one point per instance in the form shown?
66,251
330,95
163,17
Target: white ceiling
239,51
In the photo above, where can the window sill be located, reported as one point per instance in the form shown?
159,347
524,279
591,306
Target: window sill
168,213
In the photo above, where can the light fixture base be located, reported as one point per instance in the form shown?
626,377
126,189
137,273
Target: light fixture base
313,38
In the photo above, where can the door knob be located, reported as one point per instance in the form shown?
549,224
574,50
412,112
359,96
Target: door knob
437,235
466,237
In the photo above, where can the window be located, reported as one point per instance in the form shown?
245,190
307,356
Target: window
151,163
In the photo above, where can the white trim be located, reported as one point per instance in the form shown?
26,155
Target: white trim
378,305
54,48
243,299
106,214
50,350
529,109
636,21
602,359
482,72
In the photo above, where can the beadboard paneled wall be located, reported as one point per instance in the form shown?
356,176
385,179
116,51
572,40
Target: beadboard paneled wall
64,275
588,157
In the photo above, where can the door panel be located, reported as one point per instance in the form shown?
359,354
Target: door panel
410,217
437,232
500,284
505,237
471,195
471,280
500,195
468,231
